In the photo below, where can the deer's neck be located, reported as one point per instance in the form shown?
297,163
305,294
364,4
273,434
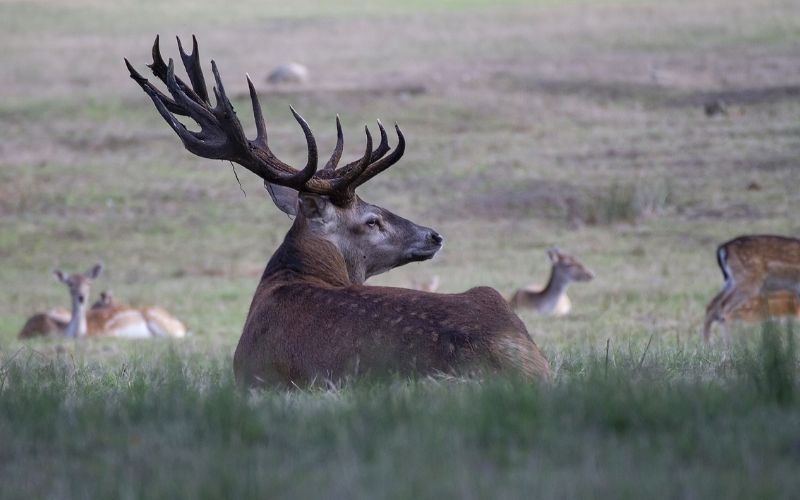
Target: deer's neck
547,299
303,256
77,323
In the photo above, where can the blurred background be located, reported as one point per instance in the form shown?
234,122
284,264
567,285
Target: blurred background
636,135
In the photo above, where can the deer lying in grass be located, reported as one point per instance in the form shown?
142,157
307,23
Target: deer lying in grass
105,300
762,279
104,318
552,299
51,323
311,316
54,322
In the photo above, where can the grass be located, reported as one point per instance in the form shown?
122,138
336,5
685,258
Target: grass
683,423
530,124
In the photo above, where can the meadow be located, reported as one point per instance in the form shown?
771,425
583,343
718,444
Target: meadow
529,124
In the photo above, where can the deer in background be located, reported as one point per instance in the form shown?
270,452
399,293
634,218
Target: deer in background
312,317
104,318
552,299
105,300
55,321
51,323
762,279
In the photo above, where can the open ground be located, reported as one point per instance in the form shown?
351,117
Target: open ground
529,124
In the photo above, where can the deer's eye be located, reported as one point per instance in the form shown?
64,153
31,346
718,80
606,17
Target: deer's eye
373,223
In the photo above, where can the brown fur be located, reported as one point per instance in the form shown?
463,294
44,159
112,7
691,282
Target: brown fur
105,317
115,320
311,316
552,299
771,305
42,324
756,268
307,321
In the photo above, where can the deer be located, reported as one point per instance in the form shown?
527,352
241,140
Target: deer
104,318
54,322
51,323
552,299
762,279
312,317
105,300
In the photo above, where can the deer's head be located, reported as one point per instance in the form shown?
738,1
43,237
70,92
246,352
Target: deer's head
79,284
568,266
371,239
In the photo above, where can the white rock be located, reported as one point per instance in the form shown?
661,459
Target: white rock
289,73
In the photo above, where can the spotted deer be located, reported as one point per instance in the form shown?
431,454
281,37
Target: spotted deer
552,298
762,279
312,317
105,317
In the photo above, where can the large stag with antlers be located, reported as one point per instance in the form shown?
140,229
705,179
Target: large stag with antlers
312,317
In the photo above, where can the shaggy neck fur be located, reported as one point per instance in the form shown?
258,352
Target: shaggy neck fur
309,257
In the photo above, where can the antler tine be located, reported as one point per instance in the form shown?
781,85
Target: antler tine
192,64
261,129
311,164
344,183
387,161
159,68
337,151
383,147
381,150
196,110
189,139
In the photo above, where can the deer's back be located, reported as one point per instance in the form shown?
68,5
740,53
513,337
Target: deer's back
298,331
116,321
759,254
42,324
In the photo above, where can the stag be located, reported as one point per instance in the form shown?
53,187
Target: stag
312,317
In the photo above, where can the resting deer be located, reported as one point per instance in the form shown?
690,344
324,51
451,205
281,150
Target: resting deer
311,316
552,299
761,273
51,323
105,300
104,318
55,321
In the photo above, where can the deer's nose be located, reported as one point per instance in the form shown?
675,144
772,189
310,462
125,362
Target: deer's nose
435,237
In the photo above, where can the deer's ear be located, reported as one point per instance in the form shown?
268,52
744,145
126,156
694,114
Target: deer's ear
284,198
315,207
94,272
60,276
553,253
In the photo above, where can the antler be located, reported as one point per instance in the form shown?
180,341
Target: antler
222,137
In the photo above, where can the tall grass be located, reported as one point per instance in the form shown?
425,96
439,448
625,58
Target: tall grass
176,426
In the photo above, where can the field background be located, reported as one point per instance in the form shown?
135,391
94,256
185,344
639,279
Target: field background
529,124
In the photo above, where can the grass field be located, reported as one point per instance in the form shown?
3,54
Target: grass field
529,124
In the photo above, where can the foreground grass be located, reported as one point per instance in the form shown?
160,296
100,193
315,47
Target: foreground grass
635,422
